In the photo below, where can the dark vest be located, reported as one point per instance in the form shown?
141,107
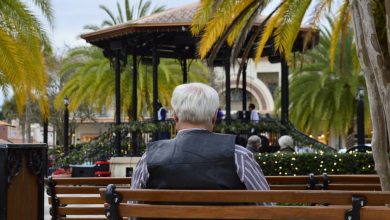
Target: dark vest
195,159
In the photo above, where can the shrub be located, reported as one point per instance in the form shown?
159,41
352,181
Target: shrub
302,164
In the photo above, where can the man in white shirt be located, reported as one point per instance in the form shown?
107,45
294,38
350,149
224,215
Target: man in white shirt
254,114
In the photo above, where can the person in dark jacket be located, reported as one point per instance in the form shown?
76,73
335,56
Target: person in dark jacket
197,158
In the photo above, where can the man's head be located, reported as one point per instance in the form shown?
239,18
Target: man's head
251,106
194,105
254,141
286,141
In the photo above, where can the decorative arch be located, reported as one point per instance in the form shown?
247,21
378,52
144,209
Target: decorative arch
258,90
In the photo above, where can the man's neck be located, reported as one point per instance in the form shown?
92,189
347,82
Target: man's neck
187,125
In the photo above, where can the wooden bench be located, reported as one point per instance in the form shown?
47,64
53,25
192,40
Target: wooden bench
78,198
209,204
325,182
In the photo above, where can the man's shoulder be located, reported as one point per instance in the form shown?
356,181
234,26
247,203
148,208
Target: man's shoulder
240,150
159,143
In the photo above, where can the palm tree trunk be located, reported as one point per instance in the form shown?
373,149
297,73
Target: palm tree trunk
372,61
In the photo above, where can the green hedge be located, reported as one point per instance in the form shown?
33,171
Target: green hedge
302,164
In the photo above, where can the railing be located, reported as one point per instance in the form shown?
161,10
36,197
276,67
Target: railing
136,135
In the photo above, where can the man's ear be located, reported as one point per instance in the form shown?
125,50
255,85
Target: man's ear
175,118
214,119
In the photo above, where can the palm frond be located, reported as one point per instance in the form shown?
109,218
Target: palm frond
336,30
109,13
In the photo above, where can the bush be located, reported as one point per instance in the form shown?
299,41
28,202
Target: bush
302,164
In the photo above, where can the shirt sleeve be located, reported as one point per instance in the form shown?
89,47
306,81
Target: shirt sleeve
140,175
249,170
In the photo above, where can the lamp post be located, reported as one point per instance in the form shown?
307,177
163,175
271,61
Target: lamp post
66,126
360,117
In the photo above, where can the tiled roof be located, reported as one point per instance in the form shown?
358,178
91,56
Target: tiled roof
182,14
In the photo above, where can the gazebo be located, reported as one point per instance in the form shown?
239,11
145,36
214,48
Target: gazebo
167,35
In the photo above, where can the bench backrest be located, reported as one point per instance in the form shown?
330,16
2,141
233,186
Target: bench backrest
212,204
75,197
325,182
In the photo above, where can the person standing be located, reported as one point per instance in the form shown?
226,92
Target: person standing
161,117
254,116
161,113
197,158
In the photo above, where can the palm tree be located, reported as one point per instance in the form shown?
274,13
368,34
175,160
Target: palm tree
131,12
89,80
223,19
322,100
89,77
22,66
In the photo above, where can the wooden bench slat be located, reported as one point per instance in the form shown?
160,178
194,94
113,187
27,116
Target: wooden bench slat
289,179
357,187
89,218
247,196
374,213
290,187
81,210
93,180
233,212
77,189
366,178
81,189
79,200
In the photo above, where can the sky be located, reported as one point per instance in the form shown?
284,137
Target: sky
72,15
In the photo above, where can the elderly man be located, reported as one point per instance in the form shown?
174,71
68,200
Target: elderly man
286,144
254,143
197,158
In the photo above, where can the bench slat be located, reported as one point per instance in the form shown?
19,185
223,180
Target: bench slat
79,200
366,178
77,189
81,189
91,218
290,179
92,180
233,212
290,187
353,187
374,213
248,196
81,210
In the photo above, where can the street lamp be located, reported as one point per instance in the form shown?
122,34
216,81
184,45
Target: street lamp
360,117
66,126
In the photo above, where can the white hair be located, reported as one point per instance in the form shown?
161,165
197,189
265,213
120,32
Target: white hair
253,140
286,141
195,102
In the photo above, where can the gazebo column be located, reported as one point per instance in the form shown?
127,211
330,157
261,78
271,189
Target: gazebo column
284,91
134,99
183,63
244,104
227,84
45,130
117,102
155,79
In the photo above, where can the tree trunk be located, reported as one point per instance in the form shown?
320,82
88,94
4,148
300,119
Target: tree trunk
22,124
377,74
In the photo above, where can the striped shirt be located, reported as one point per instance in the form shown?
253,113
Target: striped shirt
248,170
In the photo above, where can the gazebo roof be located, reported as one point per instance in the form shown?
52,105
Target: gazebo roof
170,30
